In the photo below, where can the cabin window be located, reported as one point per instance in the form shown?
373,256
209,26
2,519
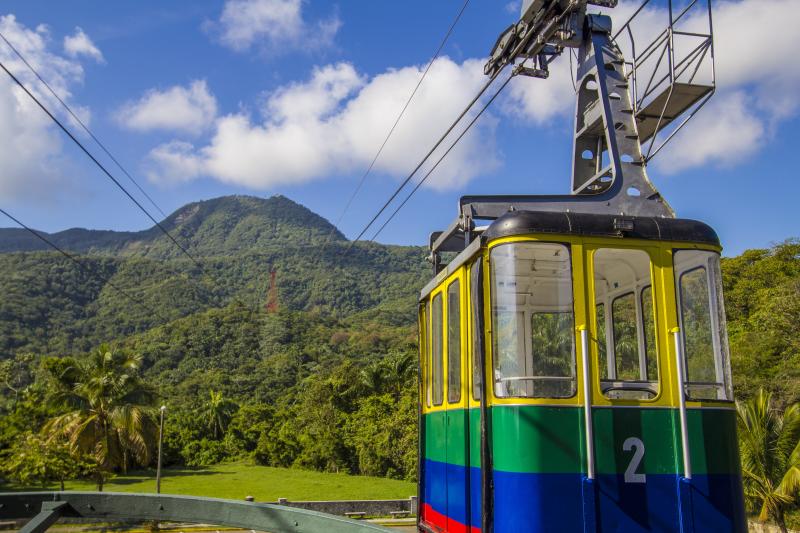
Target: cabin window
625,324
702,323
424,350
437,362
532,321
602,350
475,331
649,326
626,344
454,342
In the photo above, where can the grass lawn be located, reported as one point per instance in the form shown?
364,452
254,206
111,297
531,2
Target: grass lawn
236,480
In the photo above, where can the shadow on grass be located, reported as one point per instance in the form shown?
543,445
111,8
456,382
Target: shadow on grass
144,476
121,480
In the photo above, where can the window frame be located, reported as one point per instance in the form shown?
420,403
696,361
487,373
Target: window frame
437,399
472,341
424,353
524,318
721,361
454,387
637,290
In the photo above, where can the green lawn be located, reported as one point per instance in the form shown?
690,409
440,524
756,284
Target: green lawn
235,481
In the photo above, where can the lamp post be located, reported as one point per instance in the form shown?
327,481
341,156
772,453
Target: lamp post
160,441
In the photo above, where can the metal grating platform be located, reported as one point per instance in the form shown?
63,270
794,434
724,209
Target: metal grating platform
675,100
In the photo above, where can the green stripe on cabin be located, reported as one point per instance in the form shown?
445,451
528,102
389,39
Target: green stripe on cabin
549,439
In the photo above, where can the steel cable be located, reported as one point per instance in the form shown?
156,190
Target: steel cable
99,165
425,158
400,116
452,145
80,265
81,123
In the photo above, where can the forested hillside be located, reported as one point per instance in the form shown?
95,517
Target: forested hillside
285,388
53,306
325,382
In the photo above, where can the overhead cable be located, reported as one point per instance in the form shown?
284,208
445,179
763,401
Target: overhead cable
400,116
82,125
100,166
425,158
77,262
452,145
524,44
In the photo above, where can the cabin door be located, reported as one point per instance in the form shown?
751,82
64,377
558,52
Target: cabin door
632,423
457,418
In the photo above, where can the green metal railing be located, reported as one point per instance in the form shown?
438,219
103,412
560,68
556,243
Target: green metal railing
45,508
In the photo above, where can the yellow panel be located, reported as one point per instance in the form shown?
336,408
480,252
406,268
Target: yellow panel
581,249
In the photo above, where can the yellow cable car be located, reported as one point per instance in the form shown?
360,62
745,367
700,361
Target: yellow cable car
578,330
574,364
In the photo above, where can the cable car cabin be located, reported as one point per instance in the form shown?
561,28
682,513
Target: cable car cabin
553,349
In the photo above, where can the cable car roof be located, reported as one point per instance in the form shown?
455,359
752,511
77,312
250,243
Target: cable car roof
601,225
566,223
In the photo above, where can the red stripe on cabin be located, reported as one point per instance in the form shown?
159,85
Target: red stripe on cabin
439,522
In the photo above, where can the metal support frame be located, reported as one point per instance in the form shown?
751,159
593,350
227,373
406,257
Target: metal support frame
49,515
620,104
46,507
607,154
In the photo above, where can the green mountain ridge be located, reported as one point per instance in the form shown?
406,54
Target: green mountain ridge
211,227
53,306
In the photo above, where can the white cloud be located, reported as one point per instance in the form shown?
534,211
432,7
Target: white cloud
540,101
728,132
177,161
756,87
334,123
189,109
30,146
79,44
275,26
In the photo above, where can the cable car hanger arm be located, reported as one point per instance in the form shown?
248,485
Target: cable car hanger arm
613,115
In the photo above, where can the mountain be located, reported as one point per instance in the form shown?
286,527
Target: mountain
219,226
326,381
51,305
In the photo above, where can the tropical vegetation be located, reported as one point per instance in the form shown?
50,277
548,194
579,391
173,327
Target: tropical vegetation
325,382
770,452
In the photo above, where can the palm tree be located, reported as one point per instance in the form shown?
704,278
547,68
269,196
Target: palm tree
400,372
219,411
110,417
770,451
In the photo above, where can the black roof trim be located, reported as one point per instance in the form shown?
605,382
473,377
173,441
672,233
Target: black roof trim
650,228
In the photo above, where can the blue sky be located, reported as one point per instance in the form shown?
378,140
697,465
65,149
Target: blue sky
263,97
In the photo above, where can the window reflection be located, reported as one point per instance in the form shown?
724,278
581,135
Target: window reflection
532,321
437,370
702,322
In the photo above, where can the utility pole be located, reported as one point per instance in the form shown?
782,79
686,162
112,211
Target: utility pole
160,442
